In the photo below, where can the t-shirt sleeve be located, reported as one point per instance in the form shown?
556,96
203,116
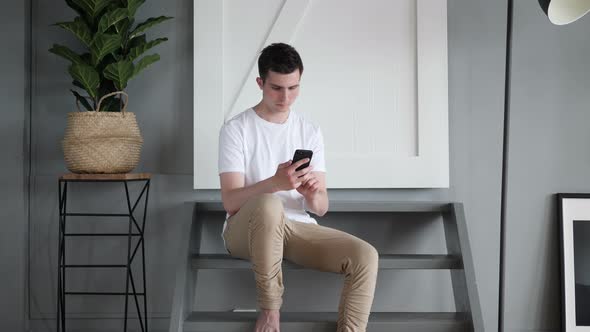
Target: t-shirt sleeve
231,150
318,161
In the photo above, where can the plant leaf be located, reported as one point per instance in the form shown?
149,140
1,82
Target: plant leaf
144,62
67,53
123,25
75,7
86,57
112,18
79,29
119,72
78,84
135,52
104,44
132,6
92,7
89,20
82,100
111,57
87,76
137,41
106,87
150,22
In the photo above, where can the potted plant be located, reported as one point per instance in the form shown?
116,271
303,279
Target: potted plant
105,137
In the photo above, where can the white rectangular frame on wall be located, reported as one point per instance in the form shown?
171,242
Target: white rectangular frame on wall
427,168
572,208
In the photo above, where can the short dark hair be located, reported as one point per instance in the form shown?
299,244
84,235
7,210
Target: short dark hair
280,58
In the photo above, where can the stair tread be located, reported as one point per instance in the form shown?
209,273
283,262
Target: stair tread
230,316
407,261
354,206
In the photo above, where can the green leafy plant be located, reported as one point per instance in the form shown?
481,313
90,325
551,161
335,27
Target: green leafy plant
113,45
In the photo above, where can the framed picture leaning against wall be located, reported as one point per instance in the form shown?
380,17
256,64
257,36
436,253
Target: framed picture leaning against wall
574,226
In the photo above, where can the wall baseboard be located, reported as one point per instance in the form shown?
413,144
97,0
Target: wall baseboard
98,325
531,330
98,315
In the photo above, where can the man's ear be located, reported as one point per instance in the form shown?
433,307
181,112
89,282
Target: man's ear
259,82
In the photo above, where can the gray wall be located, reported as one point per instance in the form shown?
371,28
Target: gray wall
162,99
549,63
550,112
14,161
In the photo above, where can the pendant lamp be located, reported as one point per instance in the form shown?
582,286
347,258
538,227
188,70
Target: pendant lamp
561,12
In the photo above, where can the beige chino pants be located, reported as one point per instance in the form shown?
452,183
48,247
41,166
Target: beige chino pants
261,233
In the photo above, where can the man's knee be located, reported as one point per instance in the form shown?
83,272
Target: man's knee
372,256
366,256
268,208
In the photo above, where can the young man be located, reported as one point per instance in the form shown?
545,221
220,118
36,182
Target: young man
266,198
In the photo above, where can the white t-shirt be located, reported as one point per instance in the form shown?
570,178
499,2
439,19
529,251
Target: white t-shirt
251,145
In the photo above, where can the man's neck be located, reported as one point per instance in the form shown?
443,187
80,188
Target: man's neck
269,116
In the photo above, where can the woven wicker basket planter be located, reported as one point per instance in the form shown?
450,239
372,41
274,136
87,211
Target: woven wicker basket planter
102,142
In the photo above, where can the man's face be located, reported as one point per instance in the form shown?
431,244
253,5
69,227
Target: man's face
279,91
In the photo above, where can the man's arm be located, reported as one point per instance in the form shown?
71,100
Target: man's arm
234,194
315,193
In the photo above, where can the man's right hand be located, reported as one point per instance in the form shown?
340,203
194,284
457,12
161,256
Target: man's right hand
286,178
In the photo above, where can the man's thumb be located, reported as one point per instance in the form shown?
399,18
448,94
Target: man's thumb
285,164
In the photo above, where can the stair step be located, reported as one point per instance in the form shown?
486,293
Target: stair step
355,206
326,321
386,262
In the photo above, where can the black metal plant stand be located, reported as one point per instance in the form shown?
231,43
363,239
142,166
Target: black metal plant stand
135,231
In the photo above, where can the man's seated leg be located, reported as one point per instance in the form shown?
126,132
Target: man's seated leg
327,249
256,233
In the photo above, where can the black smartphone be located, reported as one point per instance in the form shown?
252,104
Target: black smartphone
302,154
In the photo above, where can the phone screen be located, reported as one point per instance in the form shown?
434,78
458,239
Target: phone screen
302,154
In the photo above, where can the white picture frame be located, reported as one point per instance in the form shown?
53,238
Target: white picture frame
574,225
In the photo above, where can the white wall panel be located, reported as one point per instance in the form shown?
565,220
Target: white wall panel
375,80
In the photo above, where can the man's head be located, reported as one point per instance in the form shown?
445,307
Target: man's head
279,58
280,68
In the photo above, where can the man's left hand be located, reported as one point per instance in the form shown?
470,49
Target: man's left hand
309,187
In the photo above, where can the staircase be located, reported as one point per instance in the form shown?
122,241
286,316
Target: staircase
458,261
